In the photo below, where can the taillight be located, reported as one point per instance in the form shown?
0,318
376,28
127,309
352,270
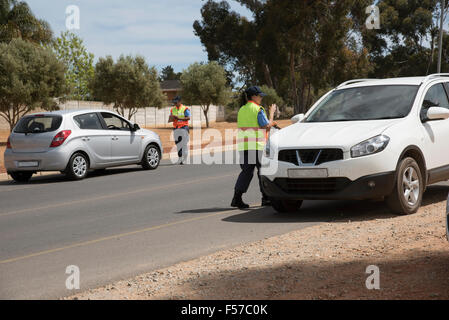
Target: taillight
60,138
8,143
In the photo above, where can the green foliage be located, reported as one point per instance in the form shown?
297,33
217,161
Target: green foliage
30,77
405,45
296,47
17,21
168,73
271,97
69,48
129,84
206,85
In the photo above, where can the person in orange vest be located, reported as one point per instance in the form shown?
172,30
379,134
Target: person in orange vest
180,116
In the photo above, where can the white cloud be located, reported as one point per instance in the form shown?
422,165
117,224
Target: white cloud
161,31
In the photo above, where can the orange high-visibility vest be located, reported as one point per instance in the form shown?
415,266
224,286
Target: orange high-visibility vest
180,113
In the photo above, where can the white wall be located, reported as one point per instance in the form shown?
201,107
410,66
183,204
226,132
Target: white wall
148,117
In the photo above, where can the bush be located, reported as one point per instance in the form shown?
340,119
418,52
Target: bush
231,115
287,113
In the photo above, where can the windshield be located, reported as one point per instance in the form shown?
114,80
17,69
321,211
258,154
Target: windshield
365,103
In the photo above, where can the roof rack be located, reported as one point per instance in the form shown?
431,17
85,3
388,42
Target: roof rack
354,81
434,75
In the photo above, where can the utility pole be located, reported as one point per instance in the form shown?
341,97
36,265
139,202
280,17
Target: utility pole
440,42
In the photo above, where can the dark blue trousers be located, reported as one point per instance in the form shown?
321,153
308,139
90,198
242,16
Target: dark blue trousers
249,160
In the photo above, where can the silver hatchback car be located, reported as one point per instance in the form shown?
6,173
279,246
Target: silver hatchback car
75,141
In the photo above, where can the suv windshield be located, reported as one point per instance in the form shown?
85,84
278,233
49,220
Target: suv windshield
365,103
38,124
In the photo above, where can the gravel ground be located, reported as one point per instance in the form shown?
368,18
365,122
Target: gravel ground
327,261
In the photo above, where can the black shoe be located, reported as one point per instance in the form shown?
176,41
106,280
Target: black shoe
266,202
237,202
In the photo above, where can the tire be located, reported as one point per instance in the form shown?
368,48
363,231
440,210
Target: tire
78,167
283,206
408,189
151,157
21,176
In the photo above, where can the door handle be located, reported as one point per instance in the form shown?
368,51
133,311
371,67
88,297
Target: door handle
114,138
86,139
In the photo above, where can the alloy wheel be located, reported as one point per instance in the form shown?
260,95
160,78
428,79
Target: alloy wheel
79,166
411,186
153,157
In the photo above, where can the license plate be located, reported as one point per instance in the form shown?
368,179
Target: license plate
308,173
24,164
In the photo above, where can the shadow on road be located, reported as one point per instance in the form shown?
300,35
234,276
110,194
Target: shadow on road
325,279
324,211
210,210
57,178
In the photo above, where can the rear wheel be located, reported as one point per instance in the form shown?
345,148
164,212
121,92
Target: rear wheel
151,157
77,167
21,176
408,190
286,205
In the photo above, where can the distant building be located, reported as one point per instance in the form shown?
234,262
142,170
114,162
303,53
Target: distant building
171,88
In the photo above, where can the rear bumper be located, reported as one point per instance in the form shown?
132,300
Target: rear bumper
367,187
53,160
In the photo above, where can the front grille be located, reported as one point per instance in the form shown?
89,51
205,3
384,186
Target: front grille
312,186
310,156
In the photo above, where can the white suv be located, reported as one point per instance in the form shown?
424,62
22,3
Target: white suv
366,139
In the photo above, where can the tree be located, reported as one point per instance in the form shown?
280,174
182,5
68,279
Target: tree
30,77
168,73
292,46
70,50
271,97
205,84
18,21
129,84
405,45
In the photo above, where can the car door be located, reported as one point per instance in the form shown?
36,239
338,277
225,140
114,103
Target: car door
125,143
436,132
96,138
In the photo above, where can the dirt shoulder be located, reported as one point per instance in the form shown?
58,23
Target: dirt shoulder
327,261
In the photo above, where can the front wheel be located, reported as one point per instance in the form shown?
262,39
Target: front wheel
283,206
408,189
21,176
151,157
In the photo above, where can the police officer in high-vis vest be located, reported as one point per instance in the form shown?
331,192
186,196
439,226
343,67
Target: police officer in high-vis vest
253,124
180,116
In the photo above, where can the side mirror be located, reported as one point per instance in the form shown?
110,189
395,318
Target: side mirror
437,113
136,127
298,118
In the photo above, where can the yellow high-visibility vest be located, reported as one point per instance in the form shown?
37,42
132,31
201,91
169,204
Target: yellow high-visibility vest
250,135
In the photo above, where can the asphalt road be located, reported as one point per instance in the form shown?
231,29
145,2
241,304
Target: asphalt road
127,221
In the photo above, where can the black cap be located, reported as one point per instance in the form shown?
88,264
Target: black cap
176,99
254,91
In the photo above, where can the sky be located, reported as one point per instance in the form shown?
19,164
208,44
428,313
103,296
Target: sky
159,30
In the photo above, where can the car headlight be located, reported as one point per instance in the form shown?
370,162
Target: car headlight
370,146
